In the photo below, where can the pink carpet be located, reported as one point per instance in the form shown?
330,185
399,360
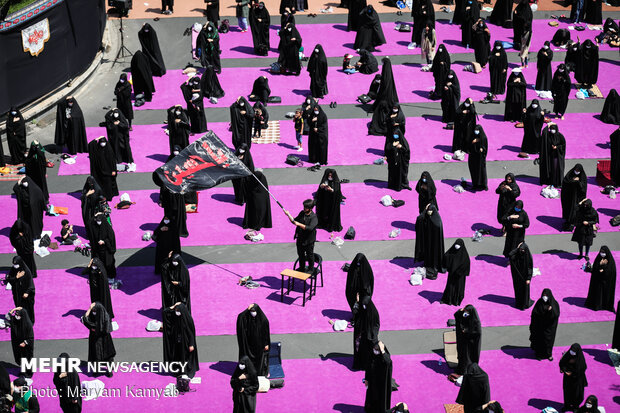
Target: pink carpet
349,143
219,220
413,85
341,390
217,299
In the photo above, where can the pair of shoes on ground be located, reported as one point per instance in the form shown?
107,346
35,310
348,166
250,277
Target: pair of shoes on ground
333,105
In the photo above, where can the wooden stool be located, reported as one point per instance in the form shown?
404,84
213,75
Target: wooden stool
292,276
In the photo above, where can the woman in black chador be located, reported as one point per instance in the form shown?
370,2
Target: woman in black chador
423,14
521,268
543,65
440,69
175,282
260,20
67,384
122,91
328,198
30,204
429,246
180,338
254,337
481,38
477,159
502,13
543,325
475,390
586,218
396,121
290,42
367,64
560,88
178,127
244,155
192,94
244,383
397,154
614,141
515,96
365,332
551,159
468,337
457,263
360,281
21,239
356,9
70,126
141,76
103,242
533,121
260,90
257,203
100,344
36,167
498,69
117,128
241,120
574,190
210,84
378,380
515,223
573,368
370,33
22,336
103,166
450,99
150,47
387,97
208,42
318,135
16,135
522,17
22,286
591,403
471,14
427,192
99,285
317,68
587,64
611,108
167,241
602,290
464,124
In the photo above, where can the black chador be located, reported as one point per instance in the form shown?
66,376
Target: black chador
429,244
22,337
573,368
614,140
21,239
360,281
356,9
67,384
178,127
522,17
328,198
22,285
16,135
260,90
587,63
175,282
141,76
440,69
257,203
122,90
241,120
457,263
533,121
208,42
290,43
464,124
602,290
378,379
70,126
180,338
551,159
244,383
254,338
387,97
502,12
174,207
36,167
30,204
192,93
521,268
167,242
368,63
481,38
515,221
544,323
427,192
99,324
150,47
369,34
103,166
318,136
475,390
468,337
423,14
117,127
103,242
243,153
91,194
210,84
99,285
560,88
611,108
477,159
498,68
543,65
450,98
515,96
396,122
398,155
365,332
574,190
471,14
260,20
317,68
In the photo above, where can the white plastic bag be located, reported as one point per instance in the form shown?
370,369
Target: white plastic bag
340,325
387,200
535,272
153,326
550,192
337,241
459,155
394,233
415,279
459,189
92,389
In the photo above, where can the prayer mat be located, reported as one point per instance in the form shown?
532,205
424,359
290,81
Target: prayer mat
595,92
454,408
10,172
269,135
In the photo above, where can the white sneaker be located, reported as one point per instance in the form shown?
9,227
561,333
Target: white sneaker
299,149
412,45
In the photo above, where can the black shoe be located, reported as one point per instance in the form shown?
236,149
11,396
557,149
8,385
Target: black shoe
335,105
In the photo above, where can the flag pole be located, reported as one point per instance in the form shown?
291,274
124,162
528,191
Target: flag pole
266,189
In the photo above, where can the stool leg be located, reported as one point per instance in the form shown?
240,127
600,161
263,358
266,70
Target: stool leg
304,299
282,290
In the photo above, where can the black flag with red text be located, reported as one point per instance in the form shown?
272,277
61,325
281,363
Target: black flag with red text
205,163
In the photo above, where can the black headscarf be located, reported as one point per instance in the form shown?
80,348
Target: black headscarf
30,204
456,260
253,335
498,68
261,90
122,90
99,286
601,293
99,319
210,84
573,361
593,408
588,63
426,191
611,108
328,202
387,88
16,135
317,67
142,76
241,124
360,279
544,323
150,47
369,62
475,390
257,203
69,388
21,330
